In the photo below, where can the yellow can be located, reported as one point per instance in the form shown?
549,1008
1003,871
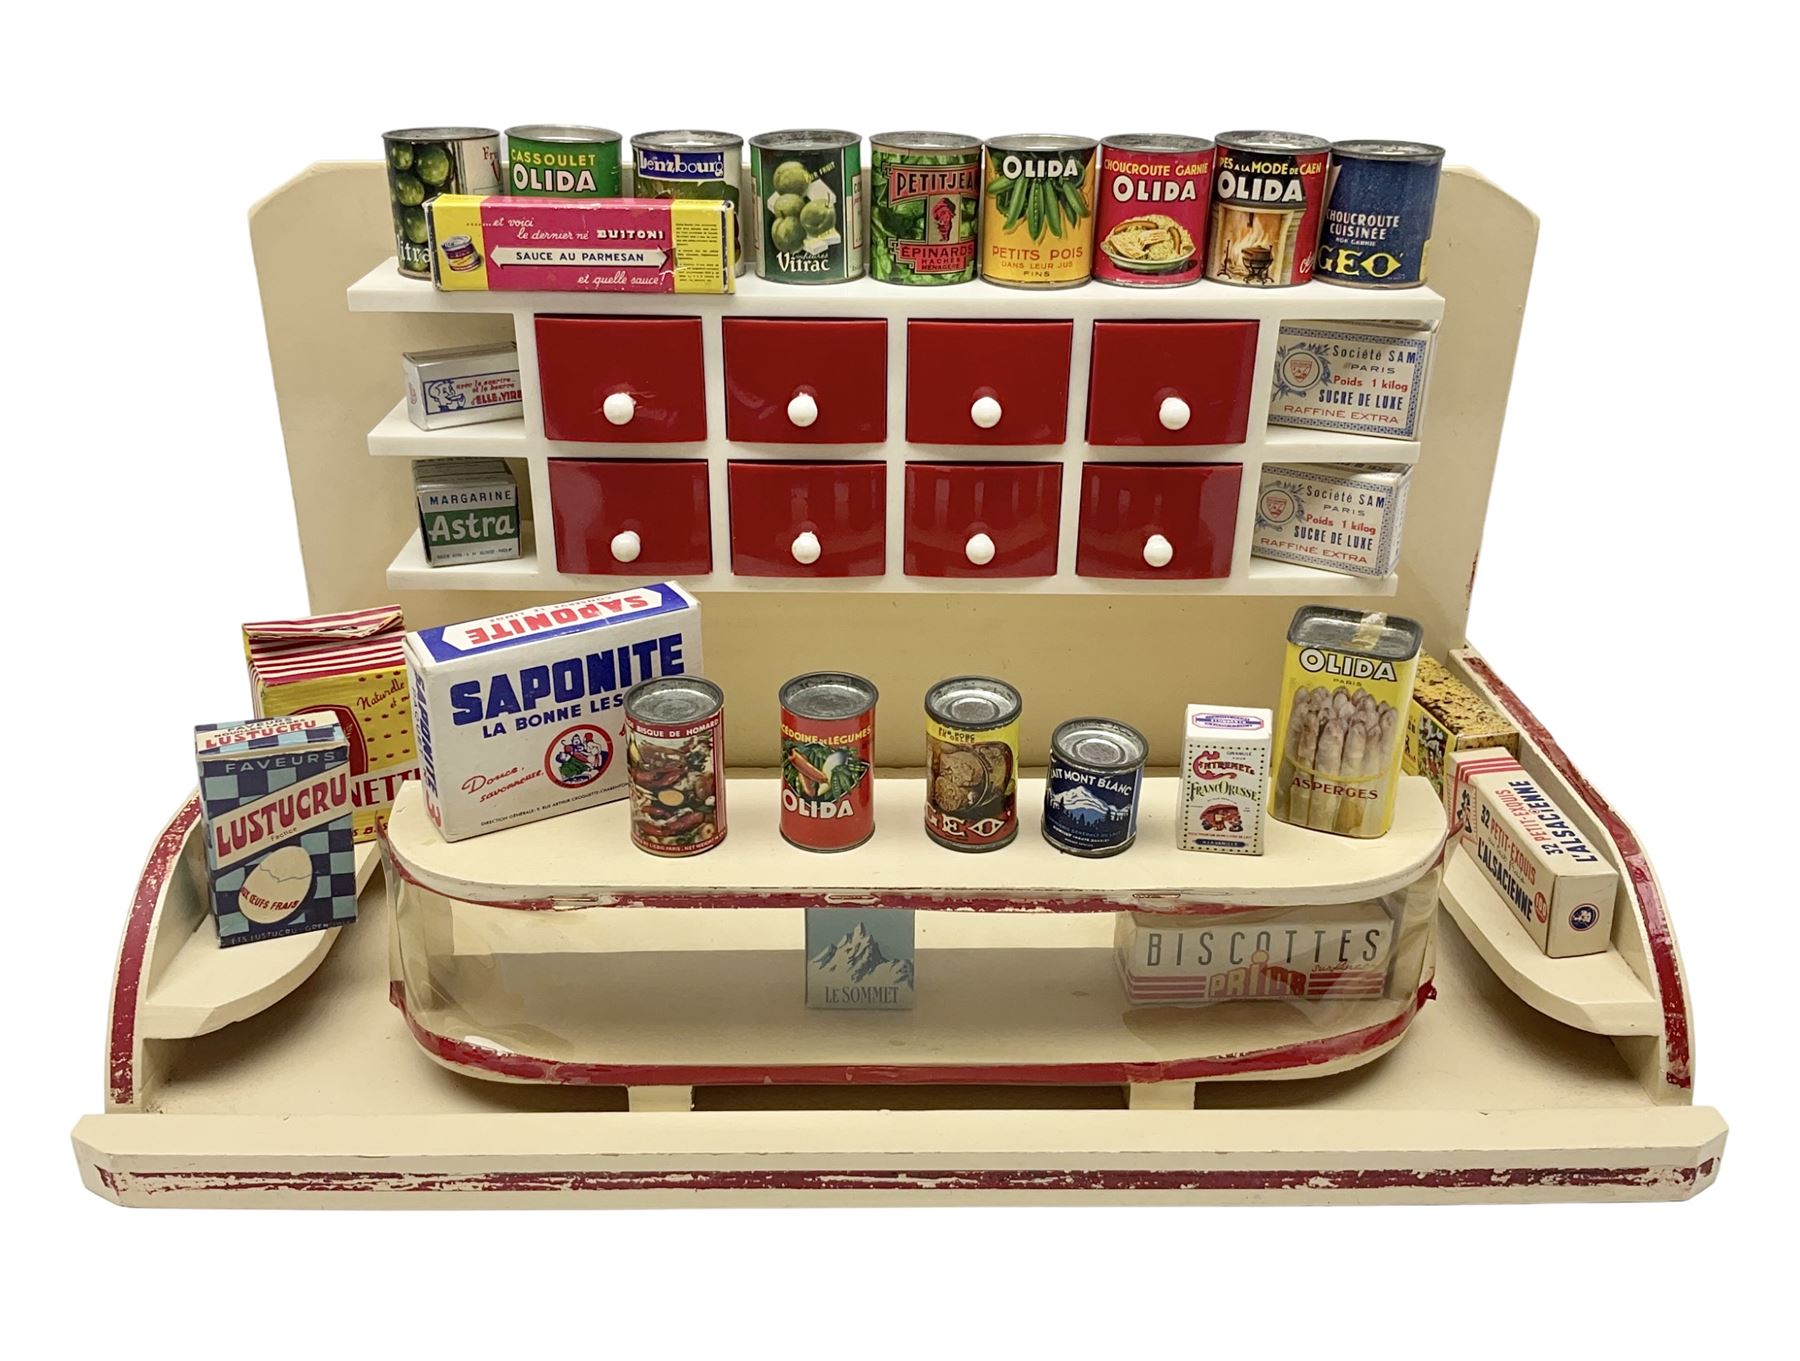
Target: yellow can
972,763
1037,211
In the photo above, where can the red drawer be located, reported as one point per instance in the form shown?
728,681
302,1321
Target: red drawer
805,382
1171,382
808,519
982,519
1151,520
622,380
631,516
987,382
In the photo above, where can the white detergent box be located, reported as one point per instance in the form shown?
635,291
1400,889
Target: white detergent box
521,716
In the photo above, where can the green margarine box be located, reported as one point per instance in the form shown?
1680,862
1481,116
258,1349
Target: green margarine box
468,510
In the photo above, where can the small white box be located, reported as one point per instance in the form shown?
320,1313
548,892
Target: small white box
1343,517
462,386
1358,377
1224,778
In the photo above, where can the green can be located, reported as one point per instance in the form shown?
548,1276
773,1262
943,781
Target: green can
425,162
692,163
554,160
924,204
807,210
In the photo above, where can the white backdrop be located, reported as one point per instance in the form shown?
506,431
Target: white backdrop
1627,590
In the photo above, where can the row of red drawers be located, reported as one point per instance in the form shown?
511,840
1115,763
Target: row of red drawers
830,519
641,380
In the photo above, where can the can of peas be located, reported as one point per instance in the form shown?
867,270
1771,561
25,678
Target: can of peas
425,162
1037,213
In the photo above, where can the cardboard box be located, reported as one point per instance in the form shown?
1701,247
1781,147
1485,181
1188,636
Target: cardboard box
468,510
1445,717
521,716
1342,517
1307,953
463,386
1224,778
859,960
1358,377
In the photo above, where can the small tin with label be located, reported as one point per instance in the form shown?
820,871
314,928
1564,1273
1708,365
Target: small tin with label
1380,199
1150,211
972,763
693,163
1267,200
1037,214
425,162
924,207
827,761
807,218
554,160
675,764
1091,791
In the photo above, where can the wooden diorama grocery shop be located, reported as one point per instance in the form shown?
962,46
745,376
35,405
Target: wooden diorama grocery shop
935,675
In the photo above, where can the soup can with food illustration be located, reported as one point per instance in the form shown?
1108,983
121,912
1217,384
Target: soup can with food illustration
675,764
1345,692
425,162
972,763
1152,201
1267,201
827,761
1037,211
1380,198
692,163
1092,786
555,160
808,210
924,204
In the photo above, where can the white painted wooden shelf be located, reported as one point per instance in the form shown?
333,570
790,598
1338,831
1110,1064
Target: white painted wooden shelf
397,437
411,571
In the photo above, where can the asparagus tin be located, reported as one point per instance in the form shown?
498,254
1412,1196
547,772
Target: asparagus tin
859,960
675,764
691,163
519,716
972,763
1339,517
1152,203
1446,717
462,386
808,214
924,206
468,510
1344,693
1380,199
1336,953
827,760
1037,213
554,160
1091,788
1358,377
275,809
425,162
1224,778
1267,202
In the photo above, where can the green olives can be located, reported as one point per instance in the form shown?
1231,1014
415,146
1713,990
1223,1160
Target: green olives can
807,214
556,160
691,163
924,203
425,162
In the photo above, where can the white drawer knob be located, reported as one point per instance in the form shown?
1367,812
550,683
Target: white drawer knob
626,546
980,549
1173,413
806,548
619,408
985,412
802,409
1158,551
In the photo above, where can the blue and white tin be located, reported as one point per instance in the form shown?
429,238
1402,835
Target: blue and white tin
1091,796
1380,198
691,163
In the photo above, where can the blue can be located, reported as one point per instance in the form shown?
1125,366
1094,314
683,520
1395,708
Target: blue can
1091,796
1380,198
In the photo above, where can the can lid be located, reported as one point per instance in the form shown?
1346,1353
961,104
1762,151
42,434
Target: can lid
685,139
1390,637
806,139
1272,141
828,694
437,134
1041,141
674,699
1099,744
1157,141
973,702
1375,150
926,141
561,132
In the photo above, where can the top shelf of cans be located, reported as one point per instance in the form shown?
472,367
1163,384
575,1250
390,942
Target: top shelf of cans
561,213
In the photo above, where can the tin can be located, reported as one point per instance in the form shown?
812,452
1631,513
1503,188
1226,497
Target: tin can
808,210
1267,201
1091,793
972,763
1380,198
1345,692
827,761
692,163
551,160
1037,211
924,207
675,764
1153,199
425,162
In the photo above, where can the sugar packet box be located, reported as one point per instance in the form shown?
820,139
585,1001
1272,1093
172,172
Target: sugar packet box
521,716
275,809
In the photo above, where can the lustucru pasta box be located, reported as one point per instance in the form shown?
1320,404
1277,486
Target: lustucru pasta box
1342,517
1306,953
1358,377
521,716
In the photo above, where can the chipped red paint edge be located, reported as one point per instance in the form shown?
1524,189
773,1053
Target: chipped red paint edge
134,952
1678,1064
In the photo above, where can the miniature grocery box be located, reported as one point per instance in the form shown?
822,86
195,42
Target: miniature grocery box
1337,517
463,386
1224,778
859,961
521,716
276,811
1445,716
1316,953
1359,377
468,510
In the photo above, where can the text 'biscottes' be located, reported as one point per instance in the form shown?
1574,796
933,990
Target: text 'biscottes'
521,716
1316,954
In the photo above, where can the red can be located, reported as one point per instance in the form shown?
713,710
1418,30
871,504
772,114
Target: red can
1268,201
675,764
1153,198
828,761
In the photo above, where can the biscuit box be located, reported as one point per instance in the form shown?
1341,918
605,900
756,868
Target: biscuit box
1358,377
351,666
276,814
521,716
1445,717
1338,953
